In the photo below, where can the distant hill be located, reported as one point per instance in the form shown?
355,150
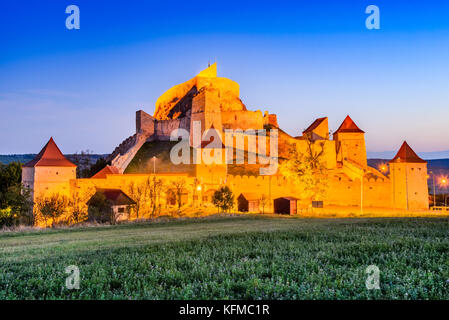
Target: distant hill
23,158
434,155
440,167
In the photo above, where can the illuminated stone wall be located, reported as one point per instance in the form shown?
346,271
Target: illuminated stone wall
409,186
351,146
47,180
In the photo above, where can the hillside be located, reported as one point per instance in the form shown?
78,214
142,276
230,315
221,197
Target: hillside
438,166
23,158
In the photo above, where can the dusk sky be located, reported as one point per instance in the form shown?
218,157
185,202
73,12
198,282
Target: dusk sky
300,60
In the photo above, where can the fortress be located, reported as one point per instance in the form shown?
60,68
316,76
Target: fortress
215,104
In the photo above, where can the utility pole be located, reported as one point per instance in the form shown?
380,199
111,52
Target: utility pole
434,192
154,164
433,183
361,192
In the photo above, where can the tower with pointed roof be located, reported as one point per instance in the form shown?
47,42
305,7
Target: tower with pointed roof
318,130
48,171
350,143
408,174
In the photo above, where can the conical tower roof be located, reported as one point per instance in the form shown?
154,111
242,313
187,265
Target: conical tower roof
407,155
349,125
50,156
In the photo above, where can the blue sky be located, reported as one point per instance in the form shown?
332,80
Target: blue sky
300,60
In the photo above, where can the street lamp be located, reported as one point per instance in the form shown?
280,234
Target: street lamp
443,183
383,168
154,164
433,184
361,191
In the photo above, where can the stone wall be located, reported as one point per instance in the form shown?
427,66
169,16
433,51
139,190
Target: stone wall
145,123
270,120
351,146
164,128
49,180
242,119
409,186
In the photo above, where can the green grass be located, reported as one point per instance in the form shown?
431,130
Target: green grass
244,257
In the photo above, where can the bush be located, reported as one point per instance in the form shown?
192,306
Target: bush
52,207
6,217
223,198
100,210
14,198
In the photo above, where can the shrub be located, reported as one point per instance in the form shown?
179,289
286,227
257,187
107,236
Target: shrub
13,196
52,207
223,198
6,217
100,210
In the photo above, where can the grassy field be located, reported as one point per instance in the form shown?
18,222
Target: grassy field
240,257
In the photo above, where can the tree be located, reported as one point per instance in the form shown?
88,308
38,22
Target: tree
307,169
7,217
263,202
140,193
97,166
100,209
10,175
50,208
82,161
78,206
223,198
13,195
178,187
156,186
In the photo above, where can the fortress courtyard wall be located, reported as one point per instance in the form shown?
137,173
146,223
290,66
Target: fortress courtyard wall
242,120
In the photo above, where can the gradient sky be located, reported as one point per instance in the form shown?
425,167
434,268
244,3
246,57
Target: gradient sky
300,60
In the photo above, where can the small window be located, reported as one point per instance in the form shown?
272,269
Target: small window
317,204
121,210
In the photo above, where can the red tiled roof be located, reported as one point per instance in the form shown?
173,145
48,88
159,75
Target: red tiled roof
406,154
314,125
50,156
106,170
348,126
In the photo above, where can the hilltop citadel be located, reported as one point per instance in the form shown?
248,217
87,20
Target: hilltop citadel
214,102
